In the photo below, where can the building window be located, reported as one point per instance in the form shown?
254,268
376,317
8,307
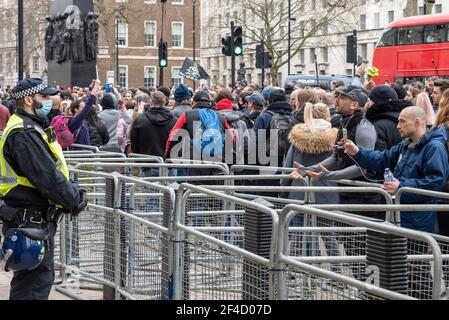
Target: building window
123,77
149,77
35,64
177,1
1,63
421,10
122,34
363,21
178,34
364,50
176,78
150,34
390,16
438,8
325,54
377,20
312,55
301,56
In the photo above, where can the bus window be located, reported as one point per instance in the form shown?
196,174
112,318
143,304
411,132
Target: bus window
411,35
435,33
388,38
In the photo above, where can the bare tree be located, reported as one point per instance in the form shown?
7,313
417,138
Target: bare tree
267,20
34,28
411,8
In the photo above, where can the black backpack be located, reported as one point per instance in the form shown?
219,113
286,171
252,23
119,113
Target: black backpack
282,123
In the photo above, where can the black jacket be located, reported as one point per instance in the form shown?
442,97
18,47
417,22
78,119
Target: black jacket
53,113
384,117
251,118
98,133
150,132
30,157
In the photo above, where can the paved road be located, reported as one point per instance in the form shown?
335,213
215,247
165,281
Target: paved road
5,279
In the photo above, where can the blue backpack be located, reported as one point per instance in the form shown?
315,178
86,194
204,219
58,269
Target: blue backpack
208,138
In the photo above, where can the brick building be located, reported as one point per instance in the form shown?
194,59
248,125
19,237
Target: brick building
139,32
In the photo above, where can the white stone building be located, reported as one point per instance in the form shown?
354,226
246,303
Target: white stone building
369,18
36,64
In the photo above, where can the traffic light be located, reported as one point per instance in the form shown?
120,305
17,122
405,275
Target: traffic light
226,49
163,55
268,60
237,37
259,56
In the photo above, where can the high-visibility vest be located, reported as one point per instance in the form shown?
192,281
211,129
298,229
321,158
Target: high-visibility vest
9,179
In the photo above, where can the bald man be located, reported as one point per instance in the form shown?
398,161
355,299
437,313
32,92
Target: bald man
420,161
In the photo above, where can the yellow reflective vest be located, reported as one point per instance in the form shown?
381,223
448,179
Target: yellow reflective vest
9,179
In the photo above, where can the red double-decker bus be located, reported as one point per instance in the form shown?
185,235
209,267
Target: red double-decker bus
412,49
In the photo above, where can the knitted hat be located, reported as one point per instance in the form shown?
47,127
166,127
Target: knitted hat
182,93
382,94
108,102
277,95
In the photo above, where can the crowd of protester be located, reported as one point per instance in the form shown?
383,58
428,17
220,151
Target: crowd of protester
327,135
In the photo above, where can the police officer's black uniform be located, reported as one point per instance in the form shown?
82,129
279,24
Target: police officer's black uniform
29,156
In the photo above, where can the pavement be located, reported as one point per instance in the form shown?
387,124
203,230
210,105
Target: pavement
5,279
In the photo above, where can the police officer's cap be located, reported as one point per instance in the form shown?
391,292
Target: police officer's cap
31,86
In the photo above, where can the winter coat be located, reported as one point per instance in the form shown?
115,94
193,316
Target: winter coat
298,117
239,129
150,131
384,117
122,136
422,165
310,148
110,118
180,109
263,122
78,124
98,133
250,119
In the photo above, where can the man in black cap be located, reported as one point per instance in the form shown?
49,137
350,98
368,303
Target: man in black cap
256,103
34,183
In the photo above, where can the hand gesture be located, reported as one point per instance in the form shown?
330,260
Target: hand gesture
96,87
317,175
295,174
360,70
351,148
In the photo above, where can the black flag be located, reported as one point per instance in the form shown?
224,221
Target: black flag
193,71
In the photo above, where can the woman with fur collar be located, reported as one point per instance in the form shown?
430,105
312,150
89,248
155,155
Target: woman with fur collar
311,142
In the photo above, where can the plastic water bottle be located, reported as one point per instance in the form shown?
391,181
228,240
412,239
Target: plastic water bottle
388,175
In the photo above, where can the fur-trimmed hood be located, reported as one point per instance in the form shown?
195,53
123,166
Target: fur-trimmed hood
390,109
319,141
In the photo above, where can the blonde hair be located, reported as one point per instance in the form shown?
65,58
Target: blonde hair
423,102
443,112
315,111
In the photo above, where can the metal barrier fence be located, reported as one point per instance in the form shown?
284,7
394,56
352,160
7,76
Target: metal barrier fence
131,244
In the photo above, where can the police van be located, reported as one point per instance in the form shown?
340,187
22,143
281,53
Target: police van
324,81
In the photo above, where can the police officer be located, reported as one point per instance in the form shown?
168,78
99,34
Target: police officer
34,181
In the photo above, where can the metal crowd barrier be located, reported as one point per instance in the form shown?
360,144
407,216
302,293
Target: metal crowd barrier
221,241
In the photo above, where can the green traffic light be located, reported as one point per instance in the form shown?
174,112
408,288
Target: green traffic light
162,63
238,51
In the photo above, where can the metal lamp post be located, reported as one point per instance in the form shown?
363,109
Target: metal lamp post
20,40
